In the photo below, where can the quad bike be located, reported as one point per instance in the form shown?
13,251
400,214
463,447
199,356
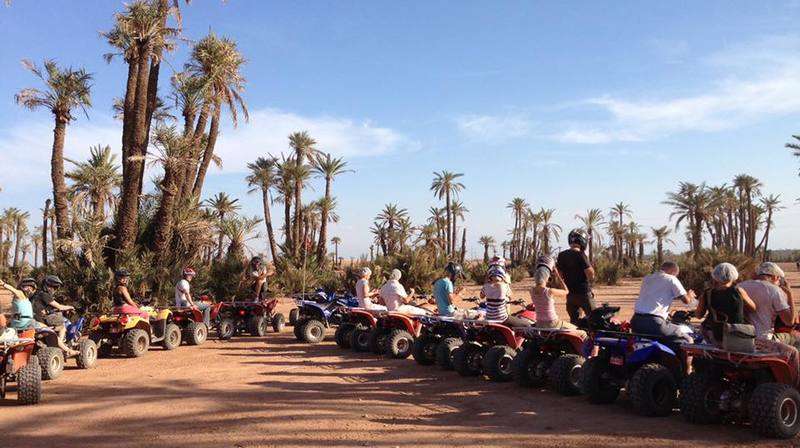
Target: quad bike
489,347
316,315
439,336
52,358
394,334
190,320
133,334
253,317
319,296
19,364
759,387
647,369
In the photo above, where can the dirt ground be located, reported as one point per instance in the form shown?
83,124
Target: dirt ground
273,391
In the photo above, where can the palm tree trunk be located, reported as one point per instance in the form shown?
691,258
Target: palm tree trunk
208,154
287,222
165,213
591,246
17,238
463,244
190,171
660,251
44,233
449,223
273,247
128,115
35,254
57,176
322,248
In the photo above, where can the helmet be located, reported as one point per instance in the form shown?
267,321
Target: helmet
53,281
578,236
497,261
496,271
546,261
27,281
454,269
121,273
188,271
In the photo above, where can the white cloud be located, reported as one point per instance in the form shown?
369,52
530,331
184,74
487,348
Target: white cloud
494,128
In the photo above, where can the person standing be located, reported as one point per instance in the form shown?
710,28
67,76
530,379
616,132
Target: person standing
577,273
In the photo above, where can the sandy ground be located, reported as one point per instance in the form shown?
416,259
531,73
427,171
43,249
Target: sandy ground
273,391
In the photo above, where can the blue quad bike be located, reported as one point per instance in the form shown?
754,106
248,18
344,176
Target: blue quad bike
648,370
318,312
52,358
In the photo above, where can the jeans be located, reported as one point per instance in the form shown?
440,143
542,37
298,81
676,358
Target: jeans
669,333
206,309
579,301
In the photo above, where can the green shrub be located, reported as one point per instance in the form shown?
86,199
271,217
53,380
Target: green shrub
607,272
518,273
639,270
476,272
696,272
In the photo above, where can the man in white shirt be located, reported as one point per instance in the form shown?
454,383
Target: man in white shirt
772,299
651,311
183,296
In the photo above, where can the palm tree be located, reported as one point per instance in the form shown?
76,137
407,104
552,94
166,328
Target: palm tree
618,212
327,167
518,207
486,241
284,171
173,154
66,90
457,210
748,187
690,203
20,223
661,234
222,205
239,231
445,185
549,230
390,218
95,181
771,204
336,241
263,178
591,224
303,146
36,239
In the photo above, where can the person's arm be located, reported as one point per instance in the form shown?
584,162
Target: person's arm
561,281
60,307
127,297
188,296
701,307
747,301
589,274
16,292
559,293
787,289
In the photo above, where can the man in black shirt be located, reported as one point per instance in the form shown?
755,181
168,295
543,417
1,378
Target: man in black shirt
49,312
578,273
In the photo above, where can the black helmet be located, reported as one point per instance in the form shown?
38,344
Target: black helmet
27,281
53,281
454,269
121,273
257,259
578,236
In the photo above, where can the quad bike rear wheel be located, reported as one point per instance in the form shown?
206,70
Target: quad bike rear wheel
87,354
278,322
530,368
196,333
444,352
51,360
399,343
775,410
257,326
564,374
226,328
297,330
424,349
497,363
29,382
342,335
699,396
172,337
135,343
377,341
313,331
595,382
653,390
294,314
468,359
359,339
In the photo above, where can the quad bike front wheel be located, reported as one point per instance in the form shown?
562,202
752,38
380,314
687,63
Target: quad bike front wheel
29,382
444,352
278,322
564,375
172,337
87,354
775,410
595,381
359,339
294,315
468,359
313,331
530,367
257,326
699,397
399,343
342,335
225,329
653,390
377,341
135,343
51,360
424,349
196,333
497,363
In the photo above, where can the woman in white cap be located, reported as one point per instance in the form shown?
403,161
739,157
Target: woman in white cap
396,298
724,302
364,294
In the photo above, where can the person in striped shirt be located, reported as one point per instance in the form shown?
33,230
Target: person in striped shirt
496,293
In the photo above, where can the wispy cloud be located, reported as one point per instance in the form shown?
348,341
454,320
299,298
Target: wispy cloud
494,128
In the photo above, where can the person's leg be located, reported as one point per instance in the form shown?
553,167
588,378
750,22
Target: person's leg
62,337
573,308
790,339
206,309
514,321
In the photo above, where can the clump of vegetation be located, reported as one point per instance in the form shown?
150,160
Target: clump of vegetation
608,272
696,271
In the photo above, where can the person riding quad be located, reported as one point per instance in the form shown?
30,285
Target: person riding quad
48,311
651,311
724,302
365,294
773,298
501,263
183,296
396,298
122,301
21,308
544,298
577,273
496,293
444,290
258,272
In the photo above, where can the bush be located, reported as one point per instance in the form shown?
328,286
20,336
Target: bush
696,272
639,270
293,279
518,273
420,269
476,272
607,272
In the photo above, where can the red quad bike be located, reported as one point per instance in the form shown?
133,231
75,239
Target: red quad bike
550,356
439,337
357,326
190,320
18,364
490,347
759,387
252,317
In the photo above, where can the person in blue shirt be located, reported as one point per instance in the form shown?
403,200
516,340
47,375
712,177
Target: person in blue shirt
22,308
444,289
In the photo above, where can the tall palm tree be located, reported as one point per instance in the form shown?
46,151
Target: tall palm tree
549,231
486,241
20,223
457,210
263,178
748,188
661,234
591,224
239,230
771,204
95,181
303,146
327,214
518,207
36,239
328,168
223,206
445,185
336,241
690,203
618,212
390,218
173,155
66,90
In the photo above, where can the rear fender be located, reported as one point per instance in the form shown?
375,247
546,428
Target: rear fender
402,321
20,357
313,310
575,341
503,334
363,317
645,351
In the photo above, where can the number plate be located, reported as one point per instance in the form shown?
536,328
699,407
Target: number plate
617,360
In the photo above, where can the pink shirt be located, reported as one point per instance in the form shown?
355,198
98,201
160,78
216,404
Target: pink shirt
545,305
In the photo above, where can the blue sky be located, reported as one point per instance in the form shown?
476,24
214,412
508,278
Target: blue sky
569,105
